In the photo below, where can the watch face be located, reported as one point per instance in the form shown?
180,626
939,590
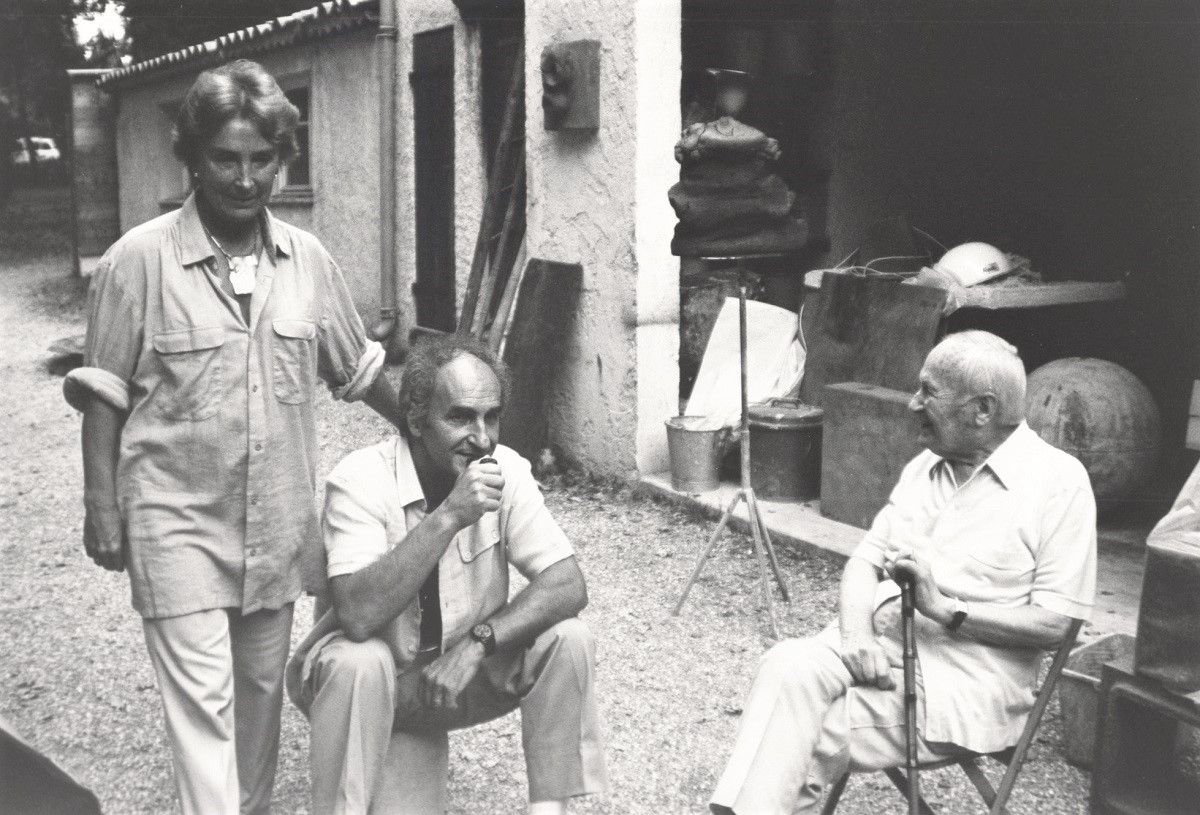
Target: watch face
481,631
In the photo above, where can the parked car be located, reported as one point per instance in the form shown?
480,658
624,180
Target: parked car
49,165
43,147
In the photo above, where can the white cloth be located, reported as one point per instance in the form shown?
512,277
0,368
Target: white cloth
1021,530
774,361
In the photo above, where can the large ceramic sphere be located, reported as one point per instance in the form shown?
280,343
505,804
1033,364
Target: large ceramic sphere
1103,415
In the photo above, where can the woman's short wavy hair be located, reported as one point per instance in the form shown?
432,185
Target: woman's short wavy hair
426,358
239,89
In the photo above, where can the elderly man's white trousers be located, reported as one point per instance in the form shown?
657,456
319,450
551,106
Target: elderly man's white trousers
805,724
376,748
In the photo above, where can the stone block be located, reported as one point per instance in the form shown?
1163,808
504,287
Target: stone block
869,435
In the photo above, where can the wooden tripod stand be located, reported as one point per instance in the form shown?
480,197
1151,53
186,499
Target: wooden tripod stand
763,548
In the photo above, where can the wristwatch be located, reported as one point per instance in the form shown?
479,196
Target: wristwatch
958,613
483,634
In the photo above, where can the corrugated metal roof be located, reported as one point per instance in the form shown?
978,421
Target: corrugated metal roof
323,20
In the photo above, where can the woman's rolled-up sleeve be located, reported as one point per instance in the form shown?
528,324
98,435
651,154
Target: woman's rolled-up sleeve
114,339
348,361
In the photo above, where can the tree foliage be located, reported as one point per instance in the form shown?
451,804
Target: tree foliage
37,45
159,26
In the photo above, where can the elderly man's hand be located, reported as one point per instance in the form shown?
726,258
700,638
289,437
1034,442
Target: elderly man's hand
907,560
867,661
445,678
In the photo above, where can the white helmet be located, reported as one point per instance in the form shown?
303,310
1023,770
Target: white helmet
972,263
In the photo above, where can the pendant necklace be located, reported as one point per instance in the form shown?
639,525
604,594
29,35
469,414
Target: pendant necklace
241,267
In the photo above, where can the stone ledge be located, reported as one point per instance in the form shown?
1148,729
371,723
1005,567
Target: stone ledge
788,522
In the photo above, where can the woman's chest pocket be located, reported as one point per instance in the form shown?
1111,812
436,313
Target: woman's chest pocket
192,376
294,359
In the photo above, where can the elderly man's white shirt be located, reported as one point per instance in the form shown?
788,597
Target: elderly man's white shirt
1021,530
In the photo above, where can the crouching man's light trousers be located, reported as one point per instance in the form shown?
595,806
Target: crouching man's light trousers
376,748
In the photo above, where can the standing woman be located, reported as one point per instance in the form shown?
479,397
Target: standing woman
208,328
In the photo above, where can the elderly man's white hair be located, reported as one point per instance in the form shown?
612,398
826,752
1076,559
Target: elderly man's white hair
981,363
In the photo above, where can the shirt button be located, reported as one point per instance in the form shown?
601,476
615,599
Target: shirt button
258,447
253,502
253,551
254,388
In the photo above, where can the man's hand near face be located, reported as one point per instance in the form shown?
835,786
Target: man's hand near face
476,492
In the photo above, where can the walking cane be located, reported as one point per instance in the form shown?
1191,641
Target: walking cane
908,634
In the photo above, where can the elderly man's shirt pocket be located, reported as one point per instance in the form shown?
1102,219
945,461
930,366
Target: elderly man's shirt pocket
192,376
294,359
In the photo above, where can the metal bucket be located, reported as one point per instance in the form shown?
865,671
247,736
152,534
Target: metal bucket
695,448
785,449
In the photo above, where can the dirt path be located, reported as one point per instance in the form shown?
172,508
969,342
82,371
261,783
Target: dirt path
75,680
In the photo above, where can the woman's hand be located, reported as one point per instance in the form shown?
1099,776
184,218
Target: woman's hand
104,535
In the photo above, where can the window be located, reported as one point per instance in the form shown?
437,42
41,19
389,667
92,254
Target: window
298,173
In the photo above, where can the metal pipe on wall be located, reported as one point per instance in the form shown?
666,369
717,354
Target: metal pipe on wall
387,42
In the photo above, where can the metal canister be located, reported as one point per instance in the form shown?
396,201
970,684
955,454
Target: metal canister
785,449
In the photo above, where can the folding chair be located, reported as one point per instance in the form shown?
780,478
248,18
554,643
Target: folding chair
1012,757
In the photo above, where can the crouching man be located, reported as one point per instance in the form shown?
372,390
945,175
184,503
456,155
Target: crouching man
422,638
998,530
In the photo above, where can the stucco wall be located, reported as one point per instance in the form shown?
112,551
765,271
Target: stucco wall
345,171
344,152
594,198
600,199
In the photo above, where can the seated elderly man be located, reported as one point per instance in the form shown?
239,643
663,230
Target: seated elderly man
997,530
420,530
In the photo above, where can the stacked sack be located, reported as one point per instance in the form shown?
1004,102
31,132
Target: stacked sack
727,200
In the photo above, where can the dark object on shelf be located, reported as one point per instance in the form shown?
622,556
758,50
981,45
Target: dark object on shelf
785,449
1139,767
868,329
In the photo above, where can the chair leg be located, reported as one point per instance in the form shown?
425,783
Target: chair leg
835,795
900,780
987,792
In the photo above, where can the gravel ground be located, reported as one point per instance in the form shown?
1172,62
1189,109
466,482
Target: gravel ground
74,678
